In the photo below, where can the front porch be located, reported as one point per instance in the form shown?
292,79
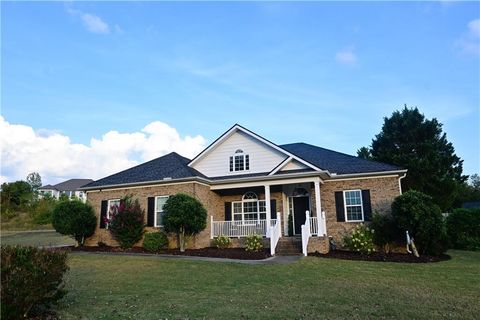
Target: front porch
265,209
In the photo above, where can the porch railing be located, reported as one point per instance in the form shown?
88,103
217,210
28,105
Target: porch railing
318,225
306,234
313,226
275,234
237,229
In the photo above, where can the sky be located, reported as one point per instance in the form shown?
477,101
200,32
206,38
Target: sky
92,88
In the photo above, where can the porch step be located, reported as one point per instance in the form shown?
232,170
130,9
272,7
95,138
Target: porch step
288,246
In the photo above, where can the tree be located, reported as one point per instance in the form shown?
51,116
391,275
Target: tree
75,219
185,216
127,222
17,194
468,191
34,180
409,140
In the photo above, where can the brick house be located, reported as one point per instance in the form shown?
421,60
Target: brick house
251,185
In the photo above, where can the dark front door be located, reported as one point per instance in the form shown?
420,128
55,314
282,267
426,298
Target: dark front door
300,205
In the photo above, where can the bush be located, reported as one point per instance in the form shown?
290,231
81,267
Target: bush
42,210
415,211
361,240
185,216
31,278
384,231
253,243
155,241
463,229
126,222
7,214
75,219
222,242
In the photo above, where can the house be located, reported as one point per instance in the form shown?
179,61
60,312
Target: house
248,185
70,188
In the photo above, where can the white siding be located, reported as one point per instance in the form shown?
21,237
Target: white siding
263,158
294,165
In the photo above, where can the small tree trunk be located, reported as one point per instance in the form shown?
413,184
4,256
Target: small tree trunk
181,239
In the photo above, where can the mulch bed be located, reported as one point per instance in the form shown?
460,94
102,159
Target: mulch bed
377,256
229,253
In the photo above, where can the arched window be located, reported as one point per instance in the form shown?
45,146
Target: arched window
239,161
250,209
250,196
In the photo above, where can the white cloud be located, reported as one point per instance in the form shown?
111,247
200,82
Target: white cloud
57,158
469,41
346,57
94,23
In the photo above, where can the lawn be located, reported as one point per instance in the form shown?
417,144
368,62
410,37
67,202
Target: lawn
117,287
34,238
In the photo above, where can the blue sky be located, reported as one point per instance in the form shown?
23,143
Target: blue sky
322,73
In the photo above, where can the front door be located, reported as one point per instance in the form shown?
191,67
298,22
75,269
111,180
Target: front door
300,205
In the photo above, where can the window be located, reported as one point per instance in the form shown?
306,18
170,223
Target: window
353,205
239,161
249,210
112,207
159,203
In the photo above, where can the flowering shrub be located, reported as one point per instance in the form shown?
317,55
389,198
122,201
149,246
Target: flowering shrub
222,242
361,240
126,222
253,243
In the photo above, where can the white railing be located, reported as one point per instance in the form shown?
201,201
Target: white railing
238,229
306,234
318,225
275,234
313,226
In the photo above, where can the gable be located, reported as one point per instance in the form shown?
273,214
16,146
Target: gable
293,165
216,162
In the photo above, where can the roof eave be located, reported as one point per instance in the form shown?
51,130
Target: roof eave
135,184
368,174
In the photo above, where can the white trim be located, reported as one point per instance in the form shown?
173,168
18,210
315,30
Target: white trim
352,205
291,198
251,182
136,185
400,183
155,211
108,209
377,174
280,166
244,159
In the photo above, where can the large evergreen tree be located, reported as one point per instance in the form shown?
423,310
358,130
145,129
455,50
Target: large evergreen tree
411,141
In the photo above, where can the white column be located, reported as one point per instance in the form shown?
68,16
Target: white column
267,208
318,206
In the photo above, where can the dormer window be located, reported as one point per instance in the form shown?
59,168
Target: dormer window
239,161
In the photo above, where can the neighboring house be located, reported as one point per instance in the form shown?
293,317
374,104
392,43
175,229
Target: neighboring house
251,185
70,188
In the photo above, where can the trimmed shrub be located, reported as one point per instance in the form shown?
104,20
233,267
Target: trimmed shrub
222,242
126,223
384,231
74,218
31,278
155,241
185,216
253,243
360,240
416,212
463,229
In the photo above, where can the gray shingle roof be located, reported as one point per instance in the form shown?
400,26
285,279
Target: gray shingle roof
47,187
172,166
72,184
336,162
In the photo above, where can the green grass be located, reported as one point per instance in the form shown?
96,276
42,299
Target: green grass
119,287
22,221
34,238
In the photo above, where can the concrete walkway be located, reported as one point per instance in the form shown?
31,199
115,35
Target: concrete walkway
270,260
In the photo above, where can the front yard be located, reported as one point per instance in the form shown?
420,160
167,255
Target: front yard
116,287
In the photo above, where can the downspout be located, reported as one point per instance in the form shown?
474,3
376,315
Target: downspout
400,182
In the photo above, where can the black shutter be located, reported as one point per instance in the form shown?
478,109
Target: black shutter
231,164
151,211
228,211
367,205
273,209
339,206
103,213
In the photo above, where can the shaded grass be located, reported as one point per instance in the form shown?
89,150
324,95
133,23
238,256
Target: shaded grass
118,287
35,238
22,221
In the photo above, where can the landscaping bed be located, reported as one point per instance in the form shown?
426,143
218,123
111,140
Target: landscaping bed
378,256
228,253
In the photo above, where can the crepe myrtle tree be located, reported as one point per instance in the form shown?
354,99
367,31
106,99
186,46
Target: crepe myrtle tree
185,216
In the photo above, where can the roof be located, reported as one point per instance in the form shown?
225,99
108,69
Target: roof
47,187
336,162
170,166
69,185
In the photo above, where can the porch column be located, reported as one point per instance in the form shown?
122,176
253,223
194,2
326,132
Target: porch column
267,208
318,206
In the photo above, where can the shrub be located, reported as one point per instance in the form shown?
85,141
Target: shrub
7,214
42,210
185,216
415,211
75,219
360,240
155,241
384,231
463,229
31,278
126,223
222,242
253,242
